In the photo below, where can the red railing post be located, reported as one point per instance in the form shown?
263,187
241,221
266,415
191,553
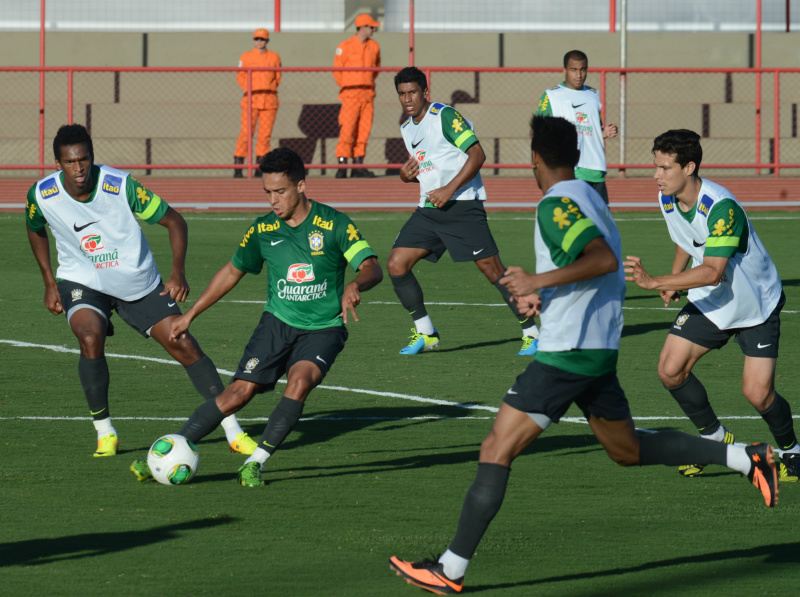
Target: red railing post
411,34
277,27
777,111
70,96
612,16
249,123
41,88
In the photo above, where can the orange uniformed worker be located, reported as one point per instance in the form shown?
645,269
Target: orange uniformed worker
264,93
357,94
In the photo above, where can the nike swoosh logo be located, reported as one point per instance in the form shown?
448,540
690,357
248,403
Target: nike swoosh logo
511,392
170,304
414,145
276,242
79,228
579,105
759,345
476,252
697,244
91,412
321,359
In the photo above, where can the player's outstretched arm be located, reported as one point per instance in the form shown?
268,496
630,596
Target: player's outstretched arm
40,244
222,283
369,274
707,273
176,285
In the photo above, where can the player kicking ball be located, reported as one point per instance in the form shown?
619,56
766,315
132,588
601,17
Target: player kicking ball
578,288
307,247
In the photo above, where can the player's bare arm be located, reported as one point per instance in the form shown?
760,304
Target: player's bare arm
409,171
222,283
610,130
596,259
40,244
475,159
370,274
707,273
177,285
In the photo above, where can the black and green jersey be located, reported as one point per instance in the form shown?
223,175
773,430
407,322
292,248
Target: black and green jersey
305,265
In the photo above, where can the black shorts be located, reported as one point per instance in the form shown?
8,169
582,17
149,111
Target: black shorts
459,227
141,314
761,340
275,346
601,189
550,391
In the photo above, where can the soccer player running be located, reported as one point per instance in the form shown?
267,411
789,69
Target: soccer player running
446,158
307,247
105,265
578,288
734,292
580,104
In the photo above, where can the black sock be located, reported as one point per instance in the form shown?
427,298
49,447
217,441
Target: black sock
523,321
674,448
203,421
409,292
483,500
281,422
94,377
205,378
778,417
693,399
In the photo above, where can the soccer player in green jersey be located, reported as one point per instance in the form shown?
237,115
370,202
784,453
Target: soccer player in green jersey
307,247
578,288
105,265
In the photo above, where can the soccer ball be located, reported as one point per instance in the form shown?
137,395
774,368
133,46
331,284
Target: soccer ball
173,460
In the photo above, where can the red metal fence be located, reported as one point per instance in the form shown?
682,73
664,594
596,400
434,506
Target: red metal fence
185,120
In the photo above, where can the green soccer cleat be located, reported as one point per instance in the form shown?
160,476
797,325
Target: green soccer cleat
250,475
529,346
243,444
141,470
420,342
763,472
789,467
428,575
695,470
107,446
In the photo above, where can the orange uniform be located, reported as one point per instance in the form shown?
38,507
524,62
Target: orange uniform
357,94
264,103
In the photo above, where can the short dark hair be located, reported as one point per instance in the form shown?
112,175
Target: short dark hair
411,74
555,140
575,55
683,144
284,161
72,134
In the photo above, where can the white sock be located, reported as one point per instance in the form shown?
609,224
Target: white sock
231,427
795,449
424,325
532,331
104,427
454,566
260,456
718,435
738,460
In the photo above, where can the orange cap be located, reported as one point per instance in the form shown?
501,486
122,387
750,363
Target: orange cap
365,19
261,33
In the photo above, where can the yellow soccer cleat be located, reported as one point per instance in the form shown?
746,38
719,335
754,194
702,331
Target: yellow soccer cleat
243,444
107,446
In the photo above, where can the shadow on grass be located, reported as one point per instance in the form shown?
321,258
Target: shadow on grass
35,552
781,553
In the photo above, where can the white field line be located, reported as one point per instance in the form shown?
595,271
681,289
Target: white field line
410,397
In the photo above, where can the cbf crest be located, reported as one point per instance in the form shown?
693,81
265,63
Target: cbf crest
77,294
251,364
681,320
316,241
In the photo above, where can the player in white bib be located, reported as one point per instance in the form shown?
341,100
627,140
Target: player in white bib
445,160
105,265
734,292
580,104
578,288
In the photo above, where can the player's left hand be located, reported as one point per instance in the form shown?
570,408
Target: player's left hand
177,287
518,281
350,300
610,130
529,305
635,272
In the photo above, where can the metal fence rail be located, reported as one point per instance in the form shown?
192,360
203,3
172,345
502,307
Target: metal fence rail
184,121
